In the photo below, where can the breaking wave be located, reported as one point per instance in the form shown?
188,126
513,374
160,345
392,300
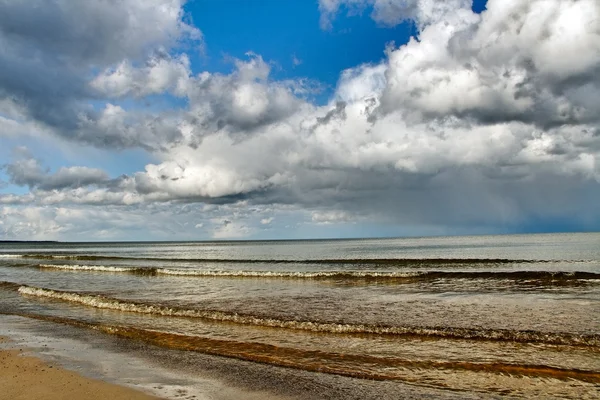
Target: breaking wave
349,261
524,336
96,268
396,276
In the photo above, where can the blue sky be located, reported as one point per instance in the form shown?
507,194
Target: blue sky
283,30
280,29
205,119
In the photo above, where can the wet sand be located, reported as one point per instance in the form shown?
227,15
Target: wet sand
26,377
173,374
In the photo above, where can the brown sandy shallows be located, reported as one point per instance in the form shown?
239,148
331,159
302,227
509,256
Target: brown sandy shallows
27,378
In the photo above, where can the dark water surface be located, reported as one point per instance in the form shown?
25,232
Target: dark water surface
489,316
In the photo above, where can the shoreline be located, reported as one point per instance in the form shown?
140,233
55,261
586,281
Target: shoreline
174,374
24,376
124,368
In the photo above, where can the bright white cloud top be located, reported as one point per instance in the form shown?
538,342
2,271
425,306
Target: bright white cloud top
482,123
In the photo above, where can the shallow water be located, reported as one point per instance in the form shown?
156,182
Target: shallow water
498,315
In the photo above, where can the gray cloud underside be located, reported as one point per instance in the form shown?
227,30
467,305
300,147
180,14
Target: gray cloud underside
47,49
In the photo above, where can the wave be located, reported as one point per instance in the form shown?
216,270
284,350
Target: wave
234,273
346,261
9,285
290,274
524,336
396,276
353,365
392,276
96,268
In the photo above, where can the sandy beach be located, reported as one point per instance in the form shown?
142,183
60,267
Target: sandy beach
26,377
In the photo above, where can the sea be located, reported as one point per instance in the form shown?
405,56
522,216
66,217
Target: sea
514,316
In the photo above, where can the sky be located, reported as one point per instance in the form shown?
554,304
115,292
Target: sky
237,119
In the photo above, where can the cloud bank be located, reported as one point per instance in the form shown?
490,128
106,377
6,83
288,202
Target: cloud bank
482,122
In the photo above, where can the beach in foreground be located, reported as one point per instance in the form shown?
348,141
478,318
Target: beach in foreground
40,360
24,377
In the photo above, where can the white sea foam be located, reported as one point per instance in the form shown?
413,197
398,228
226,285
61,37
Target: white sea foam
119,305
11,255
285,274
327,327
236,273
75,267
398,277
